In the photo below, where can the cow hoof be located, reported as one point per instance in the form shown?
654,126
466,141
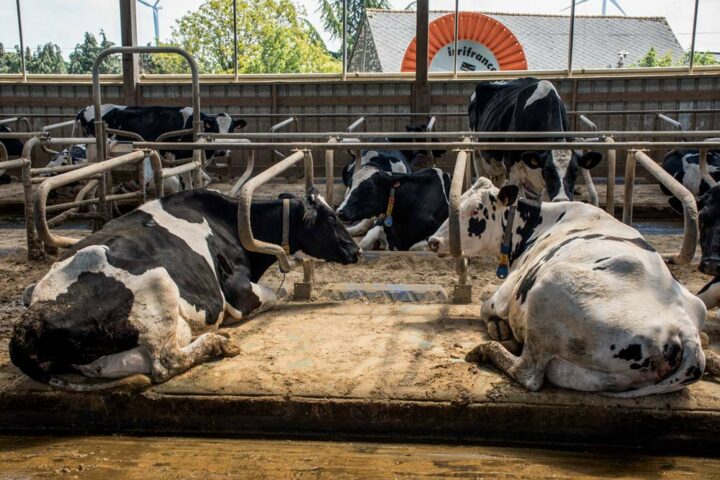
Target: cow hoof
498,329
229,348
476,355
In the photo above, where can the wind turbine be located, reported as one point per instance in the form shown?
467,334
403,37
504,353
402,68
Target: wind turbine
156,18
604,6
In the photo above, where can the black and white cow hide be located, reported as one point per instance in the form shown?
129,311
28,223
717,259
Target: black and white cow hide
684,166
142,299
592,303
420,206
527,105
151,122
14,149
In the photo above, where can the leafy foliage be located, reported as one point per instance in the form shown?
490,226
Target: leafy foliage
82,58
331,12
47,59
273,37
651,59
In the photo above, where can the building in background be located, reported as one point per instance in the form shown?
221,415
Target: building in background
510,41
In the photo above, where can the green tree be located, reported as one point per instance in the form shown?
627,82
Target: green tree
9,60
82,58
163,62
46,59
701,58
272,38
331,14
651,59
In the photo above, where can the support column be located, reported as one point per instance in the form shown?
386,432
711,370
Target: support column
130,62
421,88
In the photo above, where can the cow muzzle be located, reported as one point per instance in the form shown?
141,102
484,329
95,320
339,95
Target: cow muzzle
437,245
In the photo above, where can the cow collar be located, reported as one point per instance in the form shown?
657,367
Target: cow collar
286,226
387,217
505,248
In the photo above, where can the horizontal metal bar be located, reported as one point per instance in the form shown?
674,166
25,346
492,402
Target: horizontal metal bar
282,124
187,167
55,126
634,145
21,135
125,133
58,169
19,162
462,134
92,201
35,180
8,120
174,133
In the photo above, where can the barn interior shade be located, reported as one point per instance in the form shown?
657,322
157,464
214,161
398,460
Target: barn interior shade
484,44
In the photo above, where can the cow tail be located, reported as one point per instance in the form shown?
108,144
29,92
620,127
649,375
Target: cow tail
690,370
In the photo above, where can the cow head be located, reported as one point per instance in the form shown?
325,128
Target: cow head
221,123
369,193
554,172
412,154
709,205
483,212
322,234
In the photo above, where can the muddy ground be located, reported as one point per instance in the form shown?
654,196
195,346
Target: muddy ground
16,274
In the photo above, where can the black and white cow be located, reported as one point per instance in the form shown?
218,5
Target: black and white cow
391,161
419,205
684,166
709,220
142,299
151,122
75,155
594,306
527,105
14,148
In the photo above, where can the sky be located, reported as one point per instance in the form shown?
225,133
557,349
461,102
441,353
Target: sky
64,21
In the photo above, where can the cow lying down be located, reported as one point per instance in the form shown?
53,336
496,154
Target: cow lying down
593,305
141,300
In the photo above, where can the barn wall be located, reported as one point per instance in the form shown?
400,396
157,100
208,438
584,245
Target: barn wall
622,95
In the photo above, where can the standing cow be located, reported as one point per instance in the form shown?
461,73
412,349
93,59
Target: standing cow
142,299
527,105
594,306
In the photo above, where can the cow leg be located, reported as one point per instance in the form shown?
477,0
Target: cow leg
375,239
176,360
710,293
244,298
494,312
527,369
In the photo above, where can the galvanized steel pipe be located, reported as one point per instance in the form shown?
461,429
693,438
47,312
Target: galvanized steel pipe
690,212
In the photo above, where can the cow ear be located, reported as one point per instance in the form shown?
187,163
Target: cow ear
590,160
508,195
532,159
240,124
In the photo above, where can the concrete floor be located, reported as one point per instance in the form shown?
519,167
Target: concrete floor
378,370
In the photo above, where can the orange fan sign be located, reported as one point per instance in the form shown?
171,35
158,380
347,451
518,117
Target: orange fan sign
483,44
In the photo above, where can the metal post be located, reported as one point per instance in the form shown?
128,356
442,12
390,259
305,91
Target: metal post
330,174
421,87
130,68
344,40
571,42
457,21
691,62
235,41
462,291
610,183
629,187
22,42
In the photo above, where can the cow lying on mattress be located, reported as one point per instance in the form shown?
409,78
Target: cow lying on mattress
594,306
142,299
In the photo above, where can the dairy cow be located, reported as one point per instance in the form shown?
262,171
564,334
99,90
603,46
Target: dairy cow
142,299
684,166
151,122
13,147
527,105
410,207
593,305
709,220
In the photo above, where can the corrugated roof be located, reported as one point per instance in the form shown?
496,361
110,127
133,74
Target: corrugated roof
598,39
